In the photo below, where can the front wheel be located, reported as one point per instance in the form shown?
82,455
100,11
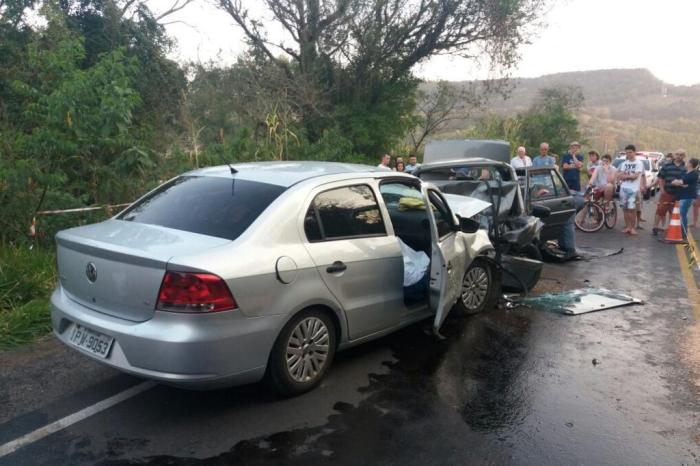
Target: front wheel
610,215
590,218
477,288
302,353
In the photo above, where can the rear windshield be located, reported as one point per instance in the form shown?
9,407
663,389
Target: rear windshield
211,206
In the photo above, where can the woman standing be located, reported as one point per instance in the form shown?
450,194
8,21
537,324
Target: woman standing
688,193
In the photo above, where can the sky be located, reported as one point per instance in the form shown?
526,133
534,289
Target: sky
578,35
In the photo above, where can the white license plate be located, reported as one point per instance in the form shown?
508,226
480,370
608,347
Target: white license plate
92,341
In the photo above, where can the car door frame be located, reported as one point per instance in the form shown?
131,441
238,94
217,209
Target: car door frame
448,260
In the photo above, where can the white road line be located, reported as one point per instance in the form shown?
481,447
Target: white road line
71,419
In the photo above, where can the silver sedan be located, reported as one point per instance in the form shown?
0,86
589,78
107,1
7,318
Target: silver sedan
228,275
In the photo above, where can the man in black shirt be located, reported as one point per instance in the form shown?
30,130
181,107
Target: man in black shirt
668,173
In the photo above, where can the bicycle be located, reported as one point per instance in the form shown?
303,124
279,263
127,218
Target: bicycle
596,212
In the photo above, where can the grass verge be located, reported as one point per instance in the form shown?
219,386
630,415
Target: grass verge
27,278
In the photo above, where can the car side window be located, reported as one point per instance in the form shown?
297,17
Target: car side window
558,185
347,212
541,186
443,217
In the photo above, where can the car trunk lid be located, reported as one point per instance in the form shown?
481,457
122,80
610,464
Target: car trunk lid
116,267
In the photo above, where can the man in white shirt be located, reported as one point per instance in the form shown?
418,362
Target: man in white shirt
629,174
522,160
385,162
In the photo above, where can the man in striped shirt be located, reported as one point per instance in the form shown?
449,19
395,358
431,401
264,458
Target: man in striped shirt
668,173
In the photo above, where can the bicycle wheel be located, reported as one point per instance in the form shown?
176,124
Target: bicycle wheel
610,215
590,218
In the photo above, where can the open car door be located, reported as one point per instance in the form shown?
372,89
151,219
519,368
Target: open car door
448,260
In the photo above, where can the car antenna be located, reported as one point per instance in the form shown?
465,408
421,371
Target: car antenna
233,170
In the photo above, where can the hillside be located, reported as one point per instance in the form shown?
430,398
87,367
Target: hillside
620,106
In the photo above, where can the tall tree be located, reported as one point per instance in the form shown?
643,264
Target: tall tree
350,62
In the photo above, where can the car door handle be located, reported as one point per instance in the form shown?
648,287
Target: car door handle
337,266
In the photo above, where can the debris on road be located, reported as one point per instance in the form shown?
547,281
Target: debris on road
553,254
575,302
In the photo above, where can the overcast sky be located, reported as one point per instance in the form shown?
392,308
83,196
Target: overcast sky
661,35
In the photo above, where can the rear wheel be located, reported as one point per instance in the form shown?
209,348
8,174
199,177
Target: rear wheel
590,218
302,353
477,288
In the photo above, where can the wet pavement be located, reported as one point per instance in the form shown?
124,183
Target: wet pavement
520,386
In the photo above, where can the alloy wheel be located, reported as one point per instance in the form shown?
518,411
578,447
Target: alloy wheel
475,287
307,349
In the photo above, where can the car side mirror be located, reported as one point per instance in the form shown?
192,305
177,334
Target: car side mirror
540,211
468,225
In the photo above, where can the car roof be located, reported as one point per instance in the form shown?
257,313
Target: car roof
472,161
462,149
288,173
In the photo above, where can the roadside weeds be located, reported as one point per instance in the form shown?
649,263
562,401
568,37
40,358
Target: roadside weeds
27,278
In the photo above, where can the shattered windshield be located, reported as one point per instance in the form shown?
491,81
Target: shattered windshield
489,183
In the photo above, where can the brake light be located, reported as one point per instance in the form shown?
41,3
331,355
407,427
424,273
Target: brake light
194,292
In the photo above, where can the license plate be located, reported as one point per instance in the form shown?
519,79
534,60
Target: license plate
92,341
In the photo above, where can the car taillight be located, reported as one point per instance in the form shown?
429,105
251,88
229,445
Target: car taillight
194,292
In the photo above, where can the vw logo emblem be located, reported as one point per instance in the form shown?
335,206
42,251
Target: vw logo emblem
91,272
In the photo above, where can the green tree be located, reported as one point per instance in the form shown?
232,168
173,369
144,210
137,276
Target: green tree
551,118
348,64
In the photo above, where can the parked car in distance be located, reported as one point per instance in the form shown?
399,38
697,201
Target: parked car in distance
649,175
228,275
653,157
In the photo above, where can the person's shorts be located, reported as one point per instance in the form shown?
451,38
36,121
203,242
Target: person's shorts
628,198
666,202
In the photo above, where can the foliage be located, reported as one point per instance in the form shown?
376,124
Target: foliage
348,64
551,119
26,280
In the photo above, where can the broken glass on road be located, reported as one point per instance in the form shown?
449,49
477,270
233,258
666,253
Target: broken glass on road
575,302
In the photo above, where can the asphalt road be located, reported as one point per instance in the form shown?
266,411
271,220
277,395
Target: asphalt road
505,387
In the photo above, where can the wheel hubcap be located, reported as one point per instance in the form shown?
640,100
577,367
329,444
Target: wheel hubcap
307,349
475,287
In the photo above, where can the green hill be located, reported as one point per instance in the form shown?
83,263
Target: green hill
620,107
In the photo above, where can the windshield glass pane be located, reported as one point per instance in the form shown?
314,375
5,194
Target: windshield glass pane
212,206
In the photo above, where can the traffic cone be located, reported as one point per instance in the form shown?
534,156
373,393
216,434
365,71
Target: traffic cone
674,233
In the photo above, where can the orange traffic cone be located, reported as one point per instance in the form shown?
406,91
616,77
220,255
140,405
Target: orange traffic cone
674,233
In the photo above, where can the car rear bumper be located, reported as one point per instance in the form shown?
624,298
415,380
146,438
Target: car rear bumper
190,350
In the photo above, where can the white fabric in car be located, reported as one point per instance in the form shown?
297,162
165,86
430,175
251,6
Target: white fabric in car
415,264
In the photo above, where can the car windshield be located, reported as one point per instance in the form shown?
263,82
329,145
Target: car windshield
212,206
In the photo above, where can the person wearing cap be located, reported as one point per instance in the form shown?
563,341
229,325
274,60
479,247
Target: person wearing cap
571,163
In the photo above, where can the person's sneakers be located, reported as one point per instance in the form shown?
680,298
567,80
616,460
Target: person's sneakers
571,255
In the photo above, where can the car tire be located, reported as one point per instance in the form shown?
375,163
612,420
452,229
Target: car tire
313,335
478,288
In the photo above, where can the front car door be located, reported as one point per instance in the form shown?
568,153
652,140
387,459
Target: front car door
448,256
358,261
546,187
